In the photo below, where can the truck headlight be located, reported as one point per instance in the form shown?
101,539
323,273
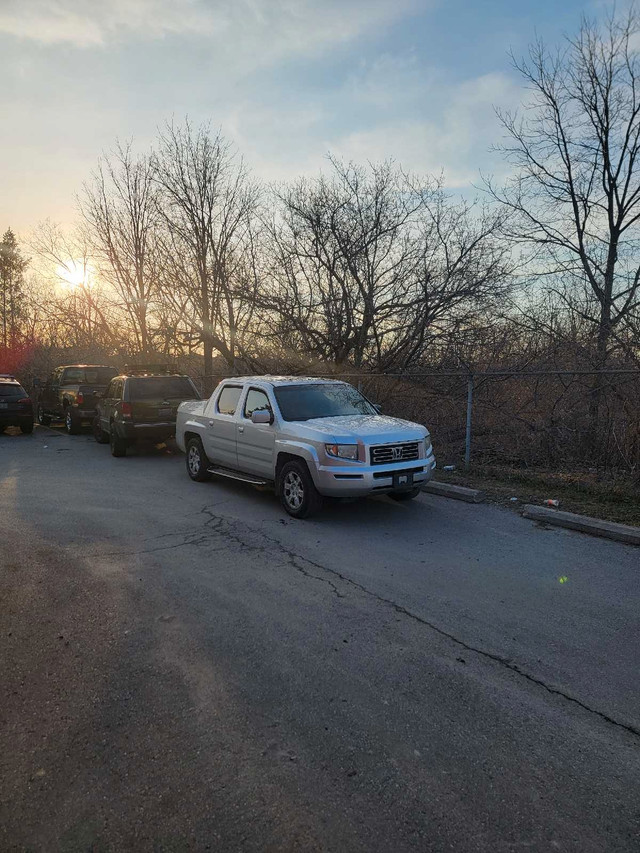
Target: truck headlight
342,451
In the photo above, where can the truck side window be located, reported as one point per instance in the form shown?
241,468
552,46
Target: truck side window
228,399
256,400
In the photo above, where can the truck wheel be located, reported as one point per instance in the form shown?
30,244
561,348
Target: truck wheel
297,491
118,445
43,420
71,424
197,462
26,427
405,496
98,433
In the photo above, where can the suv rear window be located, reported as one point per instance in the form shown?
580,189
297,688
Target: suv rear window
88,375
162,388
10,390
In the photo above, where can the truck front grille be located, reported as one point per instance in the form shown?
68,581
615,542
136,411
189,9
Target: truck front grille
384,454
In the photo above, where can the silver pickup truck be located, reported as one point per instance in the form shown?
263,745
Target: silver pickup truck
307,437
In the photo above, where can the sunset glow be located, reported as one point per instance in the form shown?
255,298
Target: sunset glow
74,274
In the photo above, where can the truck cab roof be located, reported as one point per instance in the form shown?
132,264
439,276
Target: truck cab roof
277,381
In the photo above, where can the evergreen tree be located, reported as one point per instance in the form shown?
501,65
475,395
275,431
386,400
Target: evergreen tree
12,267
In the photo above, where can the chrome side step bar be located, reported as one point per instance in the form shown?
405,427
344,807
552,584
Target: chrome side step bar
237,475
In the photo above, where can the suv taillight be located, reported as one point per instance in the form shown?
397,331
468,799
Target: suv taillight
125,410
23,401
80,398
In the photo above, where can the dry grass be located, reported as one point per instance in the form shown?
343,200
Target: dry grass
588,493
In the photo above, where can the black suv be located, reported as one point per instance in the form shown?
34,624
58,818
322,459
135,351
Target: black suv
139,406
16,408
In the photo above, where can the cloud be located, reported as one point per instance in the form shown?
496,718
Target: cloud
438,127
262,29
87,23
393,109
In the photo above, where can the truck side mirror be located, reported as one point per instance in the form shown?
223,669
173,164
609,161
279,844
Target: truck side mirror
261,416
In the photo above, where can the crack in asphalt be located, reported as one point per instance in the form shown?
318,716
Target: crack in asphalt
505,662
399,608
219,525
216,522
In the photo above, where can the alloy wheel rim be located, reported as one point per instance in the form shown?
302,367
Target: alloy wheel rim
68,420
194,460
293,488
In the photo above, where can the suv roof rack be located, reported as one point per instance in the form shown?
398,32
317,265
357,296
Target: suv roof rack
155,369
7,376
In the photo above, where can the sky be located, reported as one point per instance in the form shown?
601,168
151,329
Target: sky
287,81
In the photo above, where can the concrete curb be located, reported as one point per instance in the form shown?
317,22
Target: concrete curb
583,523
460,493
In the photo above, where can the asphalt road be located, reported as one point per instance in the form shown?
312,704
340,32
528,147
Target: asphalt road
183,667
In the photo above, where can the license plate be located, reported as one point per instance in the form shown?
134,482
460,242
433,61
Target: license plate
403,481
4,405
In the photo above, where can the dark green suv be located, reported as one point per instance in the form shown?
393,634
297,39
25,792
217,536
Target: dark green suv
140,406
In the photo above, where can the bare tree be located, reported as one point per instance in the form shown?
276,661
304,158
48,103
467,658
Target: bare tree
370,264
120,209
575,197
67,282
207,204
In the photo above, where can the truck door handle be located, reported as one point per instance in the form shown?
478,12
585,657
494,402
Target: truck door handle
240,429
210,423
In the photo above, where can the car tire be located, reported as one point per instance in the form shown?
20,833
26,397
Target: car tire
71,424
197,462
297,491
406,496
43,420
118,445
26,427
99,434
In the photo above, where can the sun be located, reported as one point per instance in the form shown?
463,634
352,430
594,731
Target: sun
74,273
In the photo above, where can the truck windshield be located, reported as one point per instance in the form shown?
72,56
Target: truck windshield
162,388
303,402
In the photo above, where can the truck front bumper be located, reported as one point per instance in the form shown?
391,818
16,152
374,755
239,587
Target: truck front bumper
351,481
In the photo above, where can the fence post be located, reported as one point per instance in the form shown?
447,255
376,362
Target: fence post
467,439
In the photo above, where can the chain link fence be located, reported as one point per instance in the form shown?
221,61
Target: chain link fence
537,418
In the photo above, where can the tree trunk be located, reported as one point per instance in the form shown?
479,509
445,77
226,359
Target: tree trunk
595,397
208,363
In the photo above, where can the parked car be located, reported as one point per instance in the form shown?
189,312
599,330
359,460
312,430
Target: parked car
16,408
307,437
140,406
69,394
